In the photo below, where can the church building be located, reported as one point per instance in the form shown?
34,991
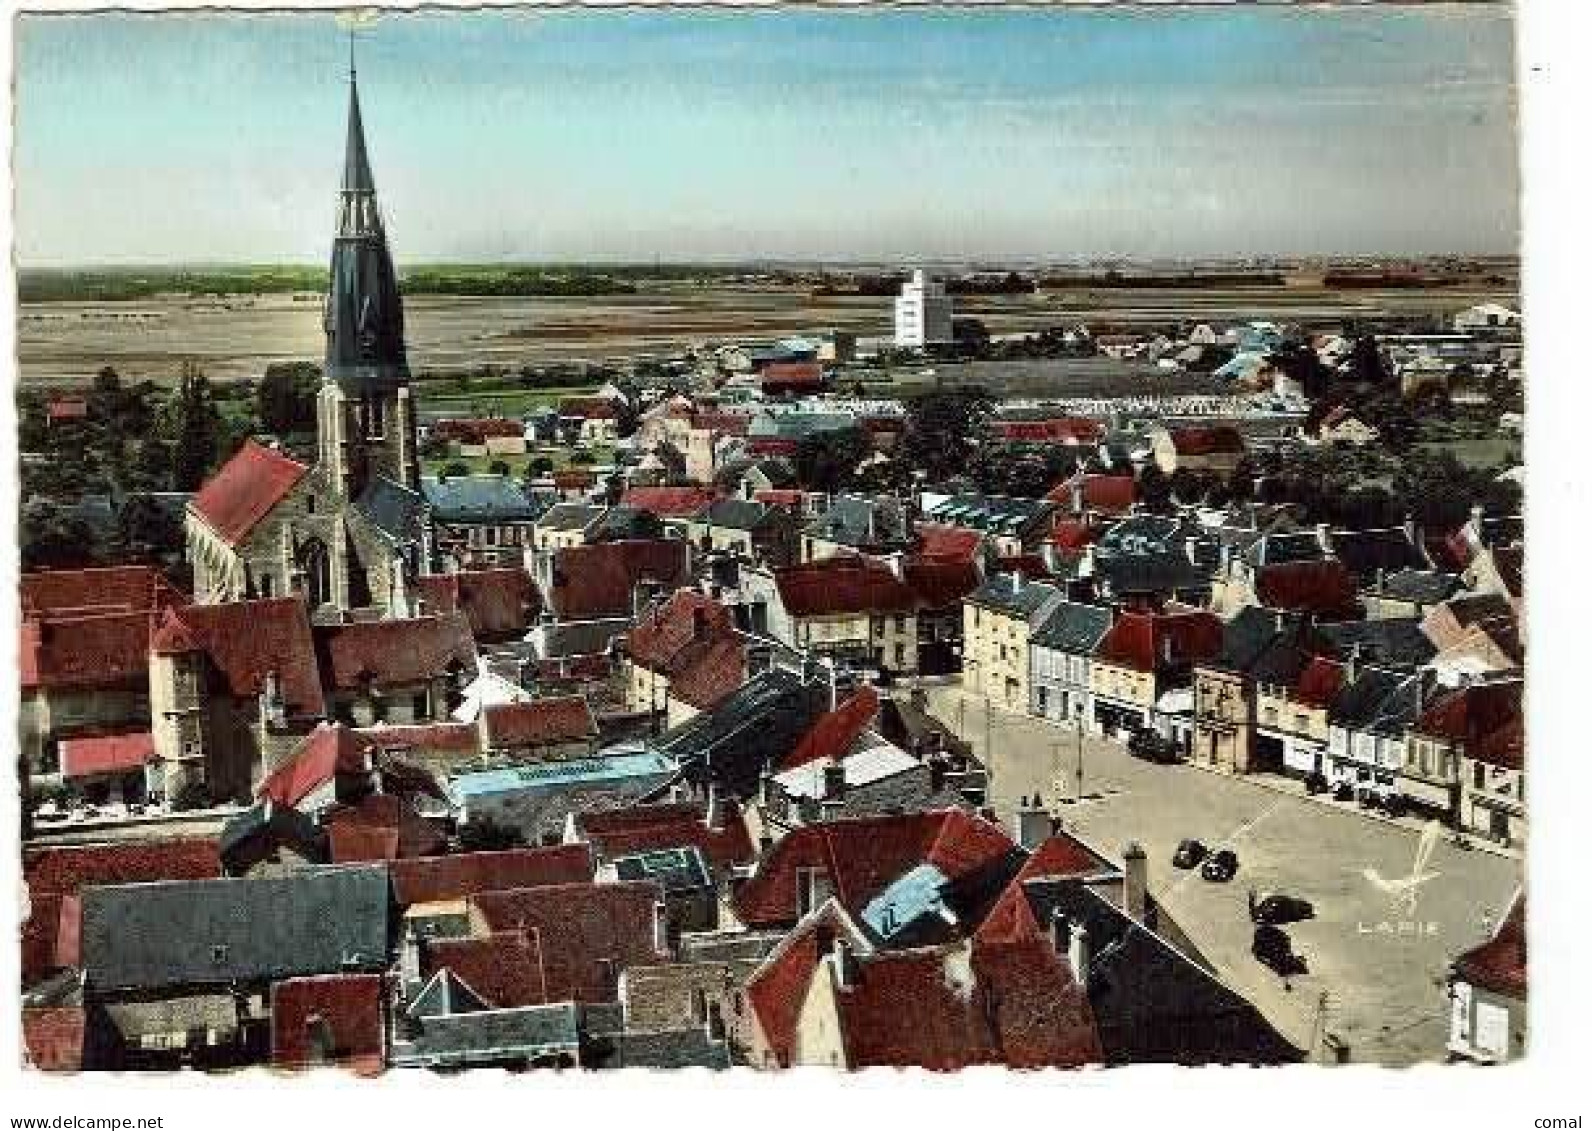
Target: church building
351,533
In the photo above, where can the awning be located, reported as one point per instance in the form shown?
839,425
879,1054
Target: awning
106,754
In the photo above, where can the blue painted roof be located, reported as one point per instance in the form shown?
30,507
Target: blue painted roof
911,897
559,775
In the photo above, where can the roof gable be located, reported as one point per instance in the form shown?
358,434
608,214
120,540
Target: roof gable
246,489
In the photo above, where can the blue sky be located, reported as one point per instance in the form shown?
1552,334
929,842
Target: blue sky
804,134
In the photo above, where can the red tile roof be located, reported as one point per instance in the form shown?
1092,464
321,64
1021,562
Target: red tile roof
85,653
503,969
345,1010
66,408
832,735
574,479
540,722
1018,1005
669,502
588,408
477,431
67,870
1147,642
53,1037
789,498
1486,717
246,640
842,586
1320,682
329,751
498,602
588,933
441,738
51,936
394,653
1011,919
691,639
1107,494
246,489
708,675
864,856
1325,588
1499,964
436,879
779,987
106,754
1218,439
643,828
114,589
592,582
380,826
1060,429
1072,536
936,539
778,375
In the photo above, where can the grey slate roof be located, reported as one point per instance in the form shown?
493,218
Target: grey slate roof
393,509
1075,628
569,516
1397,641
1149,572
854,521
1379,701
736,514
992,514
755,727
481,498
675,870
490,1036
624,524
1010,594
1420,586
1365,552
1280,549
195,933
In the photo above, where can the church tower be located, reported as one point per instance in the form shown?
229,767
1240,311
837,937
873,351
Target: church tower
365,412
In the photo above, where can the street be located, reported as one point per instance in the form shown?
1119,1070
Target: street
1377,971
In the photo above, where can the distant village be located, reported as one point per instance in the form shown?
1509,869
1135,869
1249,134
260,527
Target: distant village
664,758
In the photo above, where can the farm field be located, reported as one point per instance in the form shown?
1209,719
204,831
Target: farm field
235,337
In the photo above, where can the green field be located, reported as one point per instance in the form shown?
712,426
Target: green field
439,399
482,465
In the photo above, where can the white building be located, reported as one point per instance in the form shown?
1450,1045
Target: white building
922,312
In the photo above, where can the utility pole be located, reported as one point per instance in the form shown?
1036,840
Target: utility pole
1079,793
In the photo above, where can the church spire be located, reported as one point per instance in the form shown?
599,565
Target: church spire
364,315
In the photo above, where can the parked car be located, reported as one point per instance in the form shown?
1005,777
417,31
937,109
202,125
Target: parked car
1151,747
1316,783
1189,854
1343,791
1394,805
1277,908
1221,866
1274,950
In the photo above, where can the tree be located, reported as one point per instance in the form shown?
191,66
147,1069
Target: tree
484,834
286,396
456,470
1366,364
51,539
1300,363
1155,490
540,465
944,427
194,428
500,468
827,462
147,529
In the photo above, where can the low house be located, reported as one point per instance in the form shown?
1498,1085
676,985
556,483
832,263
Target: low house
1217,449
1407,593
684,655
500,604
612,579
1342,427
397,671
999,621
183,971
854,524
537,799
336,1020
1447,769
1260,648
753,531
563,524
1368,723
1487,994
541,730
1323,588
899,613
1061,651
1096,496
1143,671
480,520
1014,526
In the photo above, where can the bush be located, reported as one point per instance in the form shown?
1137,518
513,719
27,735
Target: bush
500,468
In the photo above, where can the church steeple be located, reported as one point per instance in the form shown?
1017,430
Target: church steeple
364,314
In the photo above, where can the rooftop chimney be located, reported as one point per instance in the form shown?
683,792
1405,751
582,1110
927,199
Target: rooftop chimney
1060,931
714,819
1135,882
409,960
834,781
1079,954
1017,582
1033,823
1351,666
660,928
845,965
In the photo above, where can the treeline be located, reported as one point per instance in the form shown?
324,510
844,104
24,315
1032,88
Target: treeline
137,283
881,286
1180,280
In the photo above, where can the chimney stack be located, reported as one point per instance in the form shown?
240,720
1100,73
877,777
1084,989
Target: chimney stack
1135,882
1060,931
714,818
1080,954
1033,823
845,965
409,961
660,928
834,781
1351,666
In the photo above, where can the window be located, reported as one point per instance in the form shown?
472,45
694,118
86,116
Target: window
309,504
267,586
901,622
421,707
1478,775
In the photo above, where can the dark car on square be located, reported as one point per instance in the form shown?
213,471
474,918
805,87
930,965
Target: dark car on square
1189,854
1221,866
1276,909
1147,746
1273,949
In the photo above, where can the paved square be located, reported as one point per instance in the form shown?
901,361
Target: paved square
1383,972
